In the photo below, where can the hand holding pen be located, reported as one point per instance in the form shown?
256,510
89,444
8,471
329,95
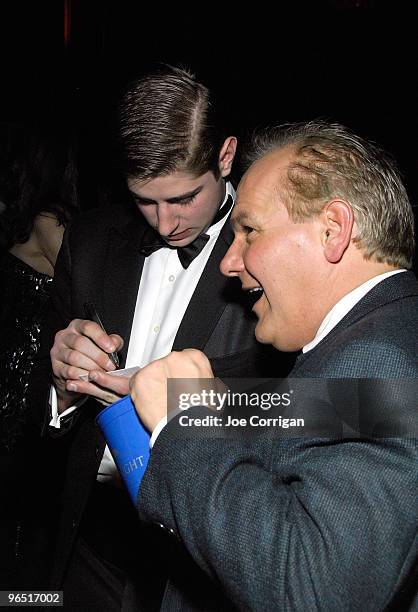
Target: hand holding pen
93,315
80,352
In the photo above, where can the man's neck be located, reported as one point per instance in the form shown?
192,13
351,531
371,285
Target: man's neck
341,306
353,272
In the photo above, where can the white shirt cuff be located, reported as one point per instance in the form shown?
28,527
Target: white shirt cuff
53,403
157,430
161,424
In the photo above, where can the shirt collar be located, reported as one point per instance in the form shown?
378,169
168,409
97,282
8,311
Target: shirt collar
343,306
214,229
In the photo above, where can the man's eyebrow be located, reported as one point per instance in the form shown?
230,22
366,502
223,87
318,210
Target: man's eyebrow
240,219
139,197
173,200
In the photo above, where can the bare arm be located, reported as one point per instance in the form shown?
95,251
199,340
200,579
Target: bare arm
49,234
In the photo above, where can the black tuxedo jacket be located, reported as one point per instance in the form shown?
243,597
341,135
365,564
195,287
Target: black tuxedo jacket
100,262
299,522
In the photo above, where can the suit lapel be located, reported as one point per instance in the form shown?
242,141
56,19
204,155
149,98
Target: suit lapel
123,269
209,299
393,288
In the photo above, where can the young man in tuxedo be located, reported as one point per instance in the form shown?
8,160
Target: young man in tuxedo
156,284
324,235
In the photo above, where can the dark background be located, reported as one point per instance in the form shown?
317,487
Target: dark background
353,61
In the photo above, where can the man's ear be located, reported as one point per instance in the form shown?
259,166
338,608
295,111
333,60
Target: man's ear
226,155
337,231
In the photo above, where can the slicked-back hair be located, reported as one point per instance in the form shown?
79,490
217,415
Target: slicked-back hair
168,123
330,161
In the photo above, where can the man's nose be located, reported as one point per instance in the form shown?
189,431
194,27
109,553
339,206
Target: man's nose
167,219
232,263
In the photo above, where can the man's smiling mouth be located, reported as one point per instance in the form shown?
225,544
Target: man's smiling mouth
253,295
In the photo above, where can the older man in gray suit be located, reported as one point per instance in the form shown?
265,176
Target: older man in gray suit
324,239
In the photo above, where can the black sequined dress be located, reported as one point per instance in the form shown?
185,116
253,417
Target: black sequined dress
24,296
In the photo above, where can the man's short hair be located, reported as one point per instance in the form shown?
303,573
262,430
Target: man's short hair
168,123
330,162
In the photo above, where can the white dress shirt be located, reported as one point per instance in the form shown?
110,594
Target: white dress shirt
165,291
343,306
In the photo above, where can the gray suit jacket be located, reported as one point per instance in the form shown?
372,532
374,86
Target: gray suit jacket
306,523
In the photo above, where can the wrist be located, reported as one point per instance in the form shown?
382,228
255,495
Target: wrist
65,399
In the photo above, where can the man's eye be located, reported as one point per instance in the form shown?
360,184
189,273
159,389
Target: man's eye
247,229
182,202
186,201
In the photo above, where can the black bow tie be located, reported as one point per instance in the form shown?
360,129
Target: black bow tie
186,254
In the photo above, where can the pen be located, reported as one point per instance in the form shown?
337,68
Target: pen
93,315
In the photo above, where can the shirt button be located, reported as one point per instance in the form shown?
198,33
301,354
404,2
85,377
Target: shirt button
156,329
160,525
171,278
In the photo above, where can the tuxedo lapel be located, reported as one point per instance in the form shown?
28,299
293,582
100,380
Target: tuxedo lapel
209,299
122,274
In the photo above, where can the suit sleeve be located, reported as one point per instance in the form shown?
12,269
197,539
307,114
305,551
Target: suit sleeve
57,317
289,524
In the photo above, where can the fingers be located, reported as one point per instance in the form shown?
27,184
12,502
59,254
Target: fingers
199,362
90,329
82,346
117,384
154,372
119,343
78,349
149,393
149,385
105,396
79,355
189,363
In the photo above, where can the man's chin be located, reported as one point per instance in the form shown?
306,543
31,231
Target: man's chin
261,335
264,337
181,243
